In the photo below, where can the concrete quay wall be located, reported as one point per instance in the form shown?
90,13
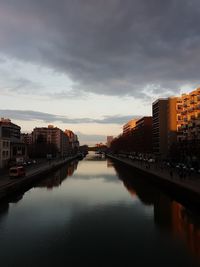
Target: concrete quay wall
186,191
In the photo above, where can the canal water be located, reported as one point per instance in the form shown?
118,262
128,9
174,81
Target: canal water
97,212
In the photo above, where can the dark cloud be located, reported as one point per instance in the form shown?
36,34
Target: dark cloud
114,47
29,115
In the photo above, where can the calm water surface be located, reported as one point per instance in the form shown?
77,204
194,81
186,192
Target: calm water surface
97,213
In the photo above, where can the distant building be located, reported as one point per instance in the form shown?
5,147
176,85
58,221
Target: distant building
129,126
27,138
73,140
12,149
52,135
100,145
109,140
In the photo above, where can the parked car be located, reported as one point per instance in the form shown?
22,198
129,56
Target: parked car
17,171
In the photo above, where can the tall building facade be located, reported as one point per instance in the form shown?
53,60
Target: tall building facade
12,149
73,140
188,116
129,126
142,135
164,125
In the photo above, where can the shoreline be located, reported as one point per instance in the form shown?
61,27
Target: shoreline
187,190
16,185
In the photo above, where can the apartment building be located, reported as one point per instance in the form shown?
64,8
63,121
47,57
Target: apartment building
142,135
4,152
52,135
73,140
12,149
188,116
27,138
164,125
127,128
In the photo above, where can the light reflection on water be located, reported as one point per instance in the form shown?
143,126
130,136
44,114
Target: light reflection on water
96,212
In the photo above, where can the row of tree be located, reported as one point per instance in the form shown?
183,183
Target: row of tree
131,143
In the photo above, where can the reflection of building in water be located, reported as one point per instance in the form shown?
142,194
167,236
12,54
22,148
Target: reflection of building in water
136,183
129,187
109,163
186,226
162,212
71,168
4,208
180,222
15,198
55,179
168,214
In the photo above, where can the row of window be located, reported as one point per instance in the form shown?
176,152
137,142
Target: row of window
5,154
5,144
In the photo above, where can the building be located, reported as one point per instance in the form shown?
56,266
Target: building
159,126
142,135
129,126
109,140
176,120
52,136
4,151
12,149
164,125
73,140
27,138
188,116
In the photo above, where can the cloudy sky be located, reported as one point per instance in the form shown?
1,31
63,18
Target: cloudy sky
92,65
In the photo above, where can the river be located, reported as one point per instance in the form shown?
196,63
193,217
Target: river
97,212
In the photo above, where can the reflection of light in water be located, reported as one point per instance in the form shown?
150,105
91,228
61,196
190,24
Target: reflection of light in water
56,178
185,228
109,163
94,167
94,191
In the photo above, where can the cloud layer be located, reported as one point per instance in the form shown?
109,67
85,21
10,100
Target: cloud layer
113,47
29,115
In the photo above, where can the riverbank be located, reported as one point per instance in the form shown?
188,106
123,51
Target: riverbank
187,189
10,186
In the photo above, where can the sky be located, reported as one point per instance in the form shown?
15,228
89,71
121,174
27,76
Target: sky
90,66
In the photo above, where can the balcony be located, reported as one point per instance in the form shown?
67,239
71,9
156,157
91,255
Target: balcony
198,123
198,107
184,127
184,112
191,109
190,125
179,122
